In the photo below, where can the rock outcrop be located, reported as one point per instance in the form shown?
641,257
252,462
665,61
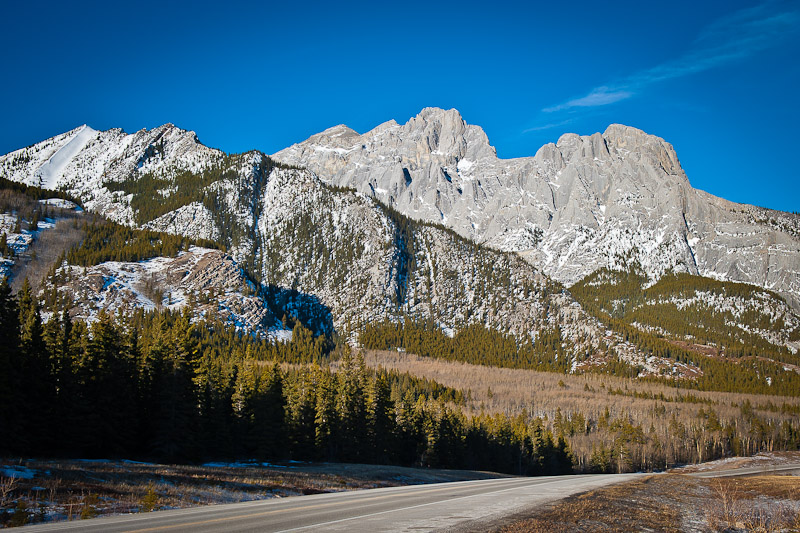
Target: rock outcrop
585,202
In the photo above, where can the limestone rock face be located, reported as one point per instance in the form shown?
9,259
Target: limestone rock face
332,258
609,199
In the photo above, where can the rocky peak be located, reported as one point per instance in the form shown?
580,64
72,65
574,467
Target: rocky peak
445,132
629,141
339,136
578,204
381,128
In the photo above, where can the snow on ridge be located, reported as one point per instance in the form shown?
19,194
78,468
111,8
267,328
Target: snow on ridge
53,168
60,203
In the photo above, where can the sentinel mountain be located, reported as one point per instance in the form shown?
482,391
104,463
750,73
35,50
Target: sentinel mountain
585,202
330,257
306,225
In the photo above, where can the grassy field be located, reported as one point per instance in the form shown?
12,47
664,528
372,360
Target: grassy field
674,503
510,391
677,425
45,491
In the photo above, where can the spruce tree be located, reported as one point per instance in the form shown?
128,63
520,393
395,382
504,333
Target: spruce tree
326,421
270,416
10,390
37,391
351,408
382,429
302,413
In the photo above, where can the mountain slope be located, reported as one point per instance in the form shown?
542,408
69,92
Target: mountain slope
338,258
205,280
329,257
716,318
580,204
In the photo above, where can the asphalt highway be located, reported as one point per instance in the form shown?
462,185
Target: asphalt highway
764,470
455,506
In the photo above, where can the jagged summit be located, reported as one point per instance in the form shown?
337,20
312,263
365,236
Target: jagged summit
585,202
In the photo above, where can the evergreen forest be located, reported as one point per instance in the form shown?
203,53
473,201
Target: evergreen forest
158,386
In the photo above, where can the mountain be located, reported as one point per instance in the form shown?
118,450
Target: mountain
715,318
422,222
206,280
328,256
583,203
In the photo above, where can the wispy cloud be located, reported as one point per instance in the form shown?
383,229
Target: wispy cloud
737,36
549,126
599,96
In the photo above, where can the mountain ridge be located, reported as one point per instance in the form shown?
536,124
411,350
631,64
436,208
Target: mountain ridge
577,205
568,191
336,259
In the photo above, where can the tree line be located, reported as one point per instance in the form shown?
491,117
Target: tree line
157,385
550,352
108,241
477,344
621,295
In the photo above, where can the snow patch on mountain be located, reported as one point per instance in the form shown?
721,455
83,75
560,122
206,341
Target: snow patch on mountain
50,172
206,281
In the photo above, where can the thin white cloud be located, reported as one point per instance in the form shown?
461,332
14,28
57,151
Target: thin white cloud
729,39
549,126
599,96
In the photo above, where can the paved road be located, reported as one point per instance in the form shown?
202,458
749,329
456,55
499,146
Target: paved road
457,506
751,471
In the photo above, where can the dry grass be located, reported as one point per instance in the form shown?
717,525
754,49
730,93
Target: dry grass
762,503
637,506
674,502
541,393
651,406
35,262
69,490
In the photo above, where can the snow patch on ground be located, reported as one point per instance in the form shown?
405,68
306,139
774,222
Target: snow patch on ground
60,203
246,464
280,335
16,471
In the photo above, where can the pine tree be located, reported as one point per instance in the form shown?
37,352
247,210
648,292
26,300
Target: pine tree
174,433
411,439
214,391
112,387
302,413
9,369
326,421
270,416
382,429
243,402
351,409
37,390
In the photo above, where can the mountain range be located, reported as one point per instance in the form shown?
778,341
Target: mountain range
423,220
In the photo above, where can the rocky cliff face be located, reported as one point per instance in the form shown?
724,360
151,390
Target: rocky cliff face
332,257
585,202
207,281
490,233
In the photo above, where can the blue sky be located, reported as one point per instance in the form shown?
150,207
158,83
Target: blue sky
719,80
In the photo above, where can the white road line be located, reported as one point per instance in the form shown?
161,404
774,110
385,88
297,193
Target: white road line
359,517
